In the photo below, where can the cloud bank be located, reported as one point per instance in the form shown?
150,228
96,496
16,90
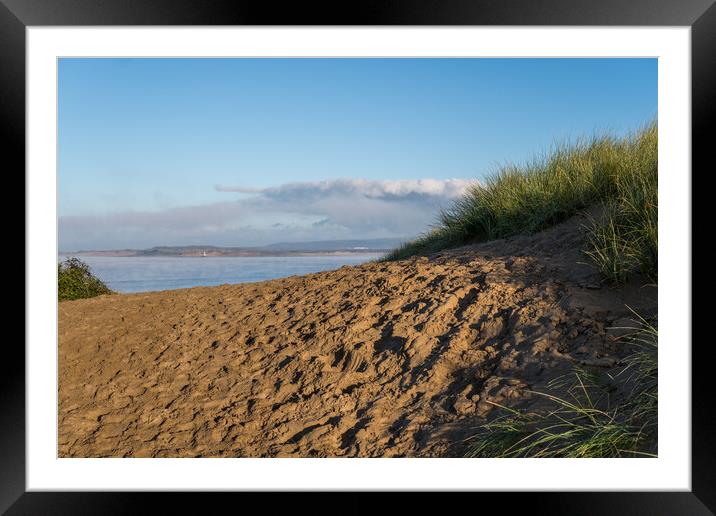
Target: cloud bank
372,189
300,211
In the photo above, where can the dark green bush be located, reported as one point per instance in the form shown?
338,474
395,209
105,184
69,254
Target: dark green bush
76,281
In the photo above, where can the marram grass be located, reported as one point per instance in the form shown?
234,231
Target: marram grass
584,421
620,174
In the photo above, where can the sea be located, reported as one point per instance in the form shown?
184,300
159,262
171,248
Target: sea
150,273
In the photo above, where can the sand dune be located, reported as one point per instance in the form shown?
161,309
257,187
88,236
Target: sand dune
382,359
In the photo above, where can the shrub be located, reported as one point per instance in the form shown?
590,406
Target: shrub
76,281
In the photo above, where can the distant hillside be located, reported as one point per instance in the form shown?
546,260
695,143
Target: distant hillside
278,249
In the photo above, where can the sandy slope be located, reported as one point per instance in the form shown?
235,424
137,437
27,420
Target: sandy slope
394,359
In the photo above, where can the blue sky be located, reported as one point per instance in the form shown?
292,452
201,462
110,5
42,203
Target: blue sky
221,151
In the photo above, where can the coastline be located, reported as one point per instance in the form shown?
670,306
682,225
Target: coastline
212,254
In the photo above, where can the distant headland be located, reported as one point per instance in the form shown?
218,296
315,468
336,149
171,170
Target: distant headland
326,247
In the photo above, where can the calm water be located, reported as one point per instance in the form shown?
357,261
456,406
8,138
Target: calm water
140,274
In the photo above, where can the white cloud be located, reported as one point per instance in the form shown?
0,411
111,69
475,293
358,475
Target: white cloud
374,189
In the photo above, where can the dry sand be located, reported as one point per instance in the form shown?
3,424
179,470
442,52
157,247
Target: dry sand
382,359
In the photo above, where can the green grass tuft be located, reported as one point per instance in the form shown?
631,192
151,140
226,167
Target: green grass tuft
618,173
586,422
76,281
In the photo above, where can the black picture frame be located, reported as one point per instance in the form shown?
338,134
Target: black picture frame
16,15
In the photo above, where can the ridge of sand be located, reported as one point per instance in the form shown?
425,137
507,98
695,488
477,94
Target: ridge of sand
382,359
